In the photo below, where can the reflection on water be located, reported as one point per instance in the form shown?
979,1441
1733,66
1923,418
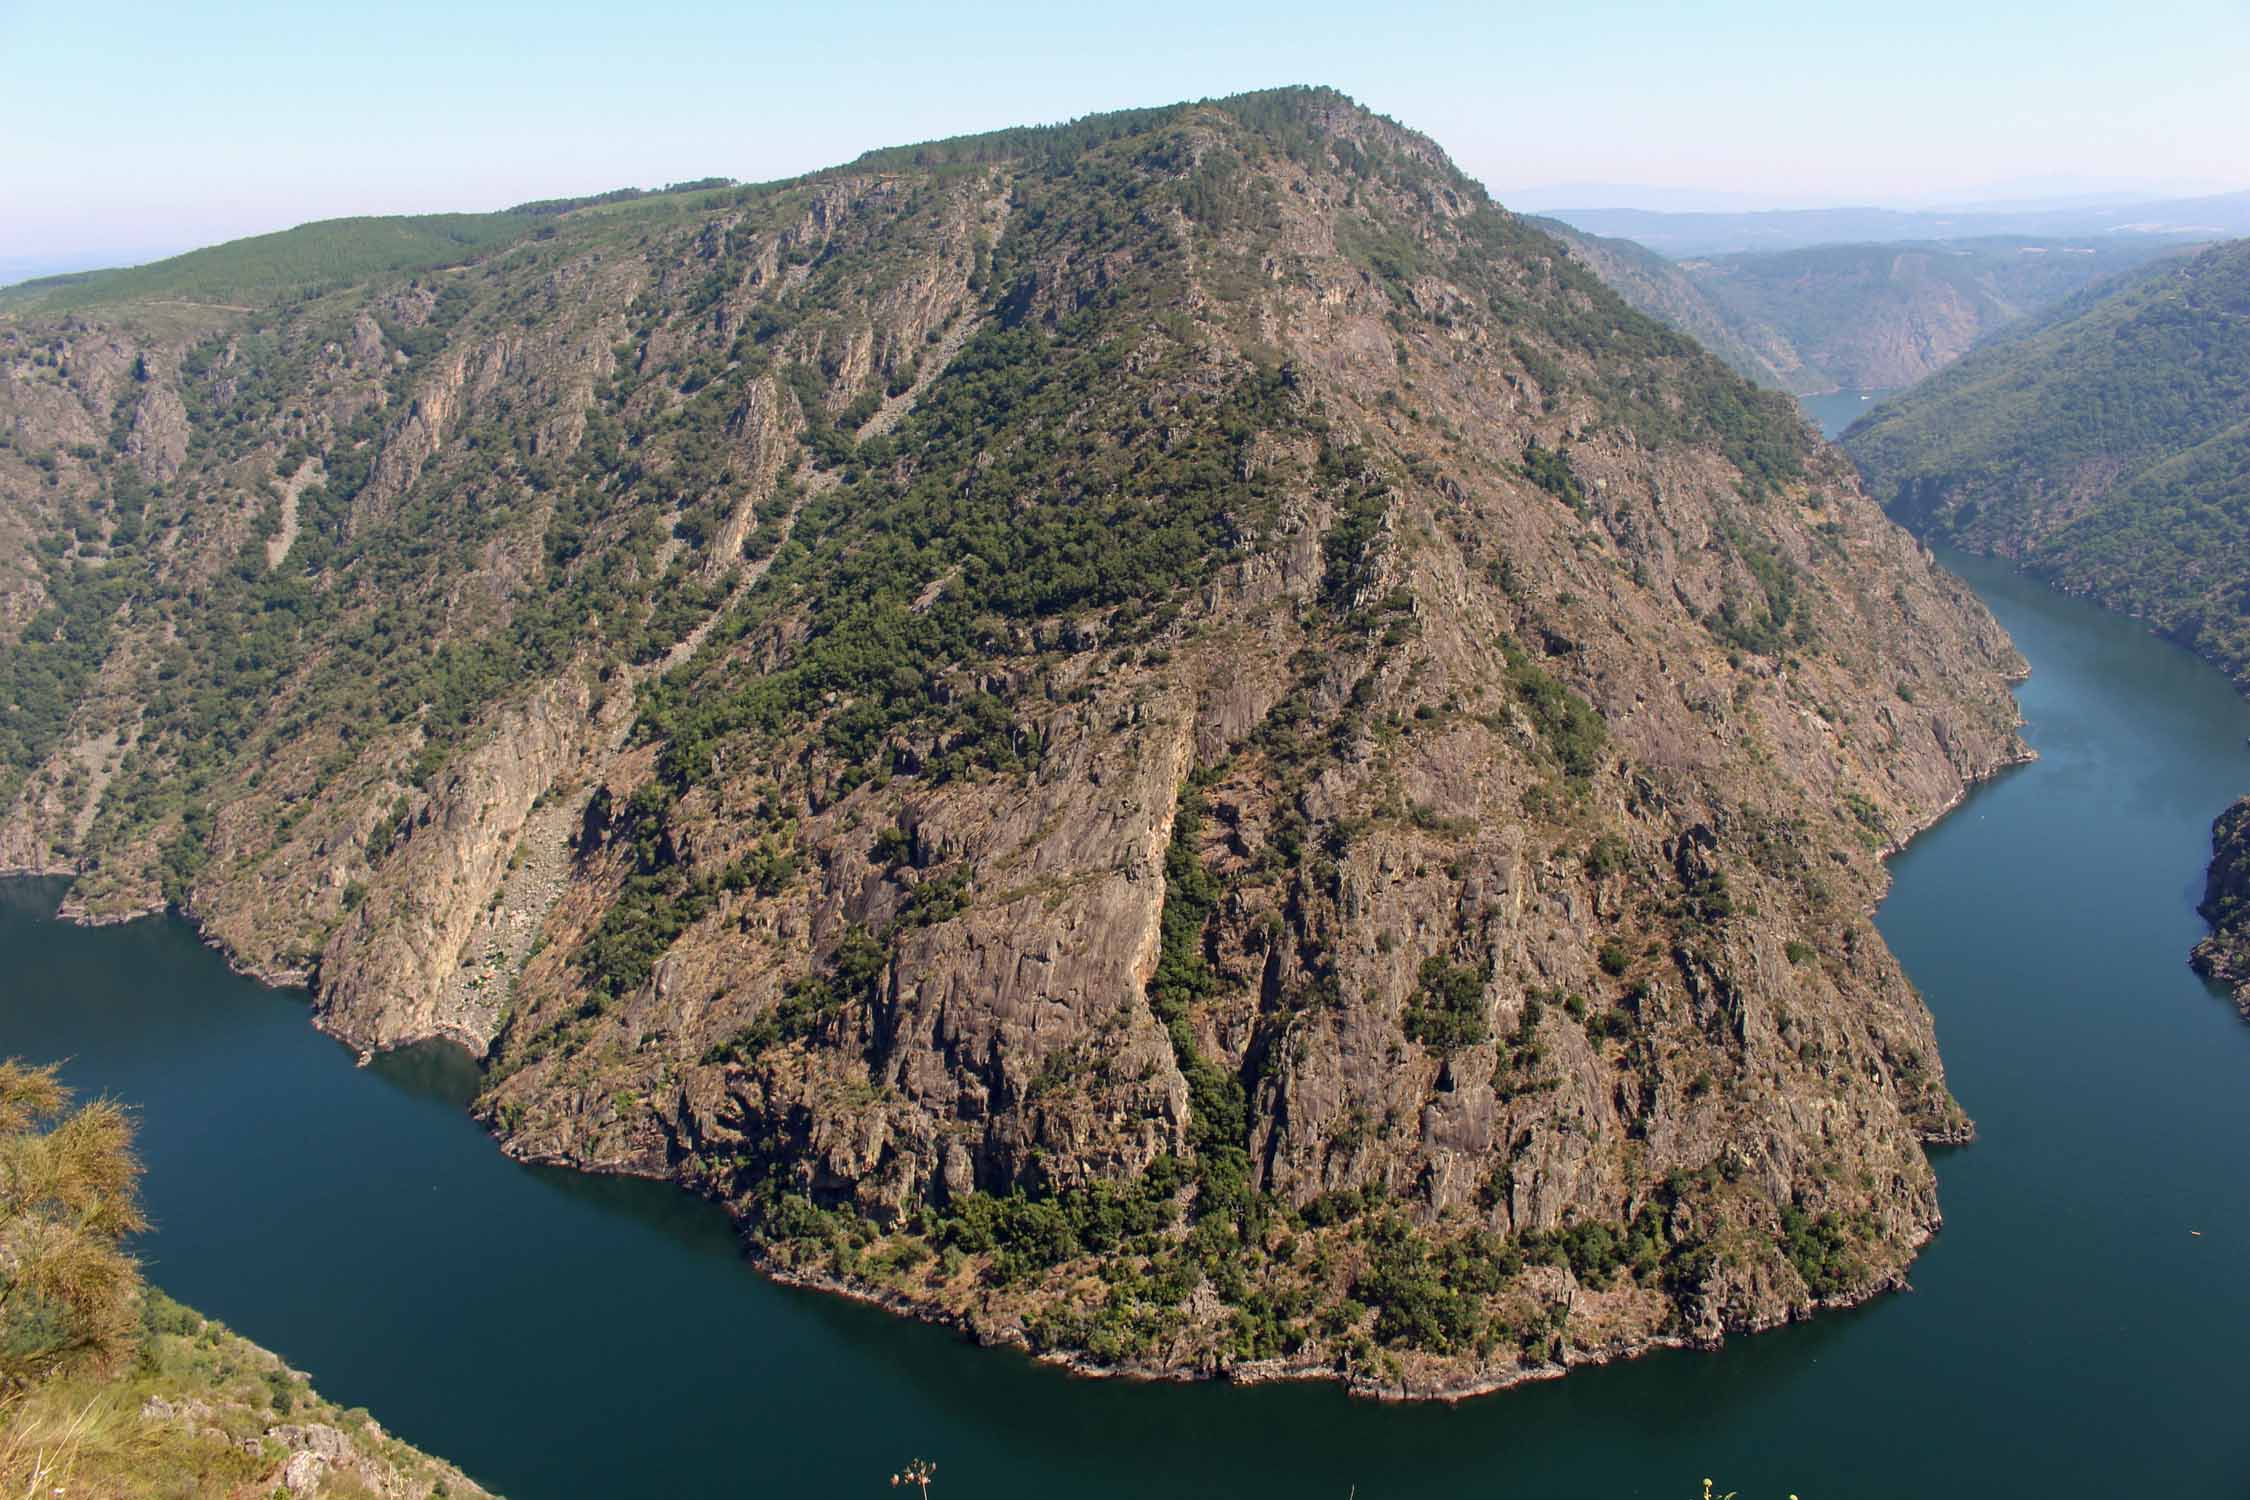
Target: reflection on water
430,1070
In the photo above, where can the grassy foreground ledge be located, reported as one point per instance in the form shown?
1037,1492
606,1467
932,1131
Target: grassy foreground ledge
110,1388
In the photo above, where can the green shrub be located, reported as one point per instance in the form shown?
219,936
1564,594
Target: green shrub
1447,1011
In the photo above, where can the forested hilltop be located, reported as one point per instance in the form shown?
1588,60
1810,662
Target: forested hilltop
1855,317
2105,447
1171,738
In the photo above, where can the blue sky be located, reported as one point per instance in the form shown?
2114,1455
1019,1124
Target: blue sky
136,129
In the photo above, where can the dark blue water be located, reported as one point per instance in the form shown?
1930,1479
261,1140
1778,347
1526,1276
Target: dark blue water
563,1336
1835,412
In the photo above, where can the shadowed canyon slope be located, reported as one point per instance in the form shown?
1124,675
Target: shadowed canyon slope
1172,738
1854,317
2105,447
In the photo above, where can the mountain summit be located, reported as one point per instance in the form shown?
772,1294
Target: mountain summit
1170,738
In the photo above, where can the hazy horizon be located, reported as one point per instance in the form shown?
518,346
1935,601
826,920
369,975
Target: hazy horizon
263,117
1560,198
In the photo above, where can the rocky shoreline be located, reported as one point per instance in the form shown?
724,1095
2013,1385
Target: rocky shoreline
1444,1389
1439,1385
2224,956
1435,1381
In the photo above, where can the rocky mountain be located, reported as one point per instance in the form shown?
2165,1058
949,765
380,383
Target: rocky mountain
2105,446
1172,739
1858,316
2224,956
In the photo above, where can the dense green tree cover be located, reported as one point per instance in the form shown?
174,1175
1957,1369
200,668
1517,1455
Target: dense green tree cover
1824,1249
2107,446
45,674
1218,1101
1570,727
1551,471
1447,1010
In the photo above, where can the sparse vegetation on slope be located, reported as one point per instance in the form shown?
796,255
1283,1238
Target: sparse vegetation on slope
1172,738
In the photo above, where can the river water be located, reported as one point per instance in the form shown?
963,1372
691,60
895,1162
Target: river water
1835,412
561,1336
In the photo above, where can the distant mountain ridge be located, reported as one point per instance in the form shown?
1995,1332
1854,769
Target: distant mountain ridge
2217,216
1855,316
2104,445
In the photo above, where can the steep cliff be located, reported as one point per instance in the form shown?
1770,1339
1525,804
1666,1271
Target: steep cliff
1171,738
2105,447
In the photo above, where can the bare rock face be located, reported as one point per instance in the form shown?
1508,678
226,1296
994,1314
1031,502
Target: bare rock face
453,850
1174,741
